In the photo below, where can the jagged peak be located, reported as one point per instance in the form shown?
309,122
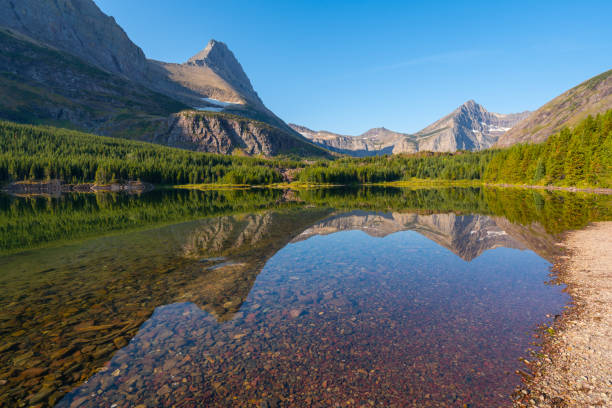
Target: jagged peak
221,60
213,47
471,104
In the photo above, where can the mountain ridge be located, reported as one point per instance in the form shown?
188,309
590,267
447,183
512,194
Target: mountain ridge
590,97
468,127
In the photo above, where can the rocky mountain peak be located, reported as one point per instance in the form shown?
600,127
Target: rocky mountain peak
218,57
215,48
470,104
468,127
473,108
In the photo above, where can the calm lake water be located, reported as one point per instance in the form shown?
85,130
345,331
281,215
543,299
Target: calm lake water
270,298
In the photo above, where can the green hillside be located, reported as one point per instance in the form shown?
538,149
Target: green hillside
580,157
39,152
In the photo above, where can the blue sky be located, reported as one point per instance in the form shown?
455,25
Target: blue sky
347,66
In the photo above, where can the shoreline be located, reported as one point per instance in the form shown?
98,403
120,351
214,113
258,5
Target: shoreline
57,187
575,366
592,190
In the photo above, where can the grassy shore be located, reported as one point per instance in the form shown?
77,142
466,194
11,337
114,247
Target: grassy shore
428,183
412,183
295,185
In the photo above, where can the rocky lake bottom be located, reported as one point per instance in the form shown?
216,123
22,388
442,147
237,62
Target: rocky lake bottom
298,307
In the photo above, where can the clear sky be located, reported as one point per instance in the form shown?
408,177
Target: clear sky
347,66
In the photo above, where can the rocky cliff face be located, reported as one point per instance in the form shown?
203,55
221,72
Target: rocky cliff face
469,127
589,98
225,133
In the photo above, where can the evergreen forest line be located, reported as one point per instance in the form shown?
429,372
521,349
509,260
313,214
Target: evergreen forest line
578,157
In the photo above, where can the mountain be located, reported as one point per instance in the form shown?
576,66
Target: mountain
468,236
589,98
371,143
41,84
213,80
66,63
469,127
79,28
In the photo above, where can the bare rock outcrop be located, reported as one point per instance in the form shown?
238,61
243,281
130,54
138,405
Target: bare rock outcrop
225,133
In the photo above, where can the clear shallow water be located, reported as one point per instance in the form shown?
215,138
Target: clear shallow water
302,306
344,318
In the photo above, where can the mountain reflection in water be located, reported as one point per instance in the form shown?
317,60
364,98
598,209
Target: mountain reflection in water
325,286
390,318
65,311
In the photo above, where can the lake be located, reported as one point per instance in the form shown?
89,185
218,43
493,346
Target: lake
271,298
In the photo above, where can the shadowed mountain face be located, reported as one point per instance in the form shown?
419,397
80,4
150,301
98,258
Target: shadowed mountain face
566,110
65,63
468,236
469,127
80,28
77,27
39,83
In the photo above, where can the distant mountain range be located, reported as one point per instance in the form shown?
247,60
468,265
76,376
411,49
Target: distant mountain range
469,127
66,63
472,127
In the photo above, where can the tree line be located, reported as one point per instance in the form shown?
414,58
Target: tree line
39,153
581,156
446,166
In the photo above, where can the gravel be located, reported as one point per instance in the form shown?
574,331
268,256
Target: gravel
575,368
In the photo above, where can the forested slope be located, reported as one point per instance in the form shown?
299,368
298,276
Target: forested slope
580,157
36,152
